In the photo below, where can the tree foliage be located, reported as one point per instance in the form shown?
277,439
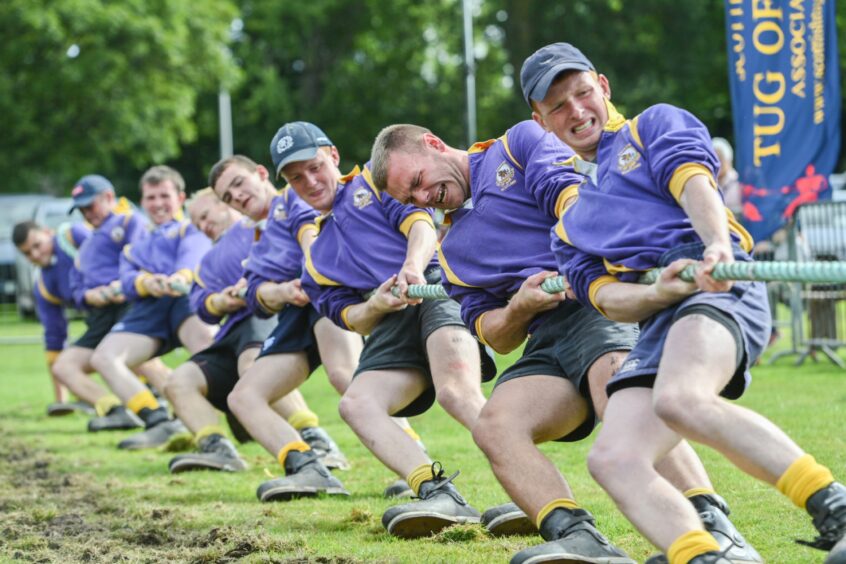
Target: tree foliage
93,85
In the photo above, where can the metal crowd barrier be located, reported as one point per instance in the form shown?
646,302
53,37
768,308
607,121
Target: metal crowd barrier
817,311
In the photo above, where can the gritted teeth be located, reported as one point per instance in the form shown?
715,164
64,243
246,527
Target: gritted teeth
441,195
582,127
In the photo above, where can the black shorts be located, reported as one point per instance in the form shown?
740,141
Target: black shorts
566,344
399,341
219,362
99,321
294,333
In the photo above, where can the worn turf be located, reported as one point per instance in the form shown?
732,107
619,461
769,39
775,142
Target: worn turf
70,496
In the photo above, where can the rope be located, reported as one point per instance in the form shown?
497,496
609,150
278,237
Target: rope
807,272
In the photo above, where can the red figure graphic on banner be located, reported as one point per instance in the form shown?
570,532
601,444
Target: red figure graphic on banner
750,210
808,188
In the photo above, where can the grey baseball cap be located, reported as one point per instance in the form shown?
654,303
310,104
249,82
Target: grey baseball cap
541,68
296,141
87,188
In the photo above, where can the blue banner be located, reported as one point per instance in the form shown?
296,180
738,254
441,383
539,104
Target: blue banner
785,91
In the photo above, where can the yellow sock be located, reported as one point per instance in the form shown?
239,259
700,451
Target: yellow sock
690,545
105,404
418,476
303,418
207,431
300,446
693,492
552,505
412,433
804,478
141,400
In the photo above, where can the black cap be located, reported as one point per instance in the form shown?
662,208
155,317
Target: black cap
541,68
296,141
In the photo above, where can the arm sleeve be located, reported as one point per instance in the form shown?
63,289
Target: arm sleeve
52,317
77,287
79,233
192,248
550,179
585,273
254,280
678,145
301,217
331,301
474,302
402,217
128,274
200,293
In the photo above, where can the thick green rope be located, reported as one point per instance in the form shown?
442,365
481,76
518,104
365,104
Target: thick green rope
808,272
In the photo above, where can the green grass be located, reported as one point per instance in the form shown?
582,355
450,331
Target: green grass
69,496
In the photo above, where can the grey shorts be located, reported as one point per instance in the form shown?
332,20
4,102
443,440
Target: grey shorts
566,344
399,341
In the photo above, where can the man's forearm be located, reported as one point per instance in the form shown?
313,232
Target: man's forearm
503,328
422,241
630,303
706,211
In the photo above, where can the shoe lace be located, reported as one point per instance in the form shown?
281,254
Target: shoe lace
442,484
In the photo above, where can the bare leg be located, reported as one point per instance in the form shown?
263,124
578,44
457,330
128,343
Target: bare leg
195,335
521,413
366,407
339,351
155,371
72,368
698,360
186,389
622,461
269,379
115,354
454,363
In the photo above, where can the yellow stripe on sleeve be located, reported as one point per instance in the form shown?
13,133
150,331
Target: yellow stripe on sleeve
594,288
304,229
684,173
478,326
566,199
413,218
45,293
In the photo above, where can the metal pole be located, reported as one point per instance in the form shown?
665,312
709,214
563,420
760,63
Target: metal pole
224,105
470,67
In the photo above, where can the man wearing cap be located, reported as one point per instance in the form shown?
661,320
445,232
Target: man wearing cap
199,387
300,341
53,253
369,240
155,273
92,288
513,189
651,180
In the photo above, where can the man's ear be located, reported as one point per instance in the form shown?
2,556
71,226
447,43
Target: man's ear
336,156
262,172
433,141
538,119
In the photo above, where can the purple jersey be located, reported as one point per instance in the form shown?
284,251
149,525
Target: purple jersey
277,255
176,246
362,243
98,261
220,268
518,187
52,288
629,214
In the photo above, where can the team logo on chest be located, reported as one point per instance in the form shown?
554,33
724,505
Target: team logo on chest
279,212
362,198
117,234
505,176
628,159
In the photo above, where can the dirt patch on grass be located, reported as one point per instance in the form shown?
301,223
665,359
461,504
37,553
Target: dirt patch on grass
49,516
